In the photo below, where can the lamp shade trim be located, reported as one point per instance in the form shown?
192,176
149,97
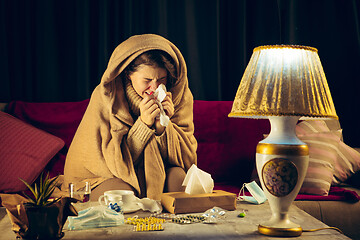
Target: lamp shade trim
267,114
285,46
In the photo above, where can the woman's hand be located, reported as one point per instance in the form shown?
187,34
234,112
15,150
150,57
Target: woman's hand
148,110
168,105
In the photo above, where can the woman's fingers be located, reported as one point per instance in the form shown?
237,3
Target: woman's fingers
168,105
148,110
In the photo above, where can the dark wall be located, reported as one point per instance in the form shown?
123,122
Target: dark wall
58,50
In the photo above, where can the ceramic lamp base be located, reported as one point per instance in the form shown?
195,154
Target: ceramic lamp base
281,160
281,178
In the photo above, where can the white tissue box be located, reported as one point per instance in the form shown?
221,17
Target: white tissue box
181,202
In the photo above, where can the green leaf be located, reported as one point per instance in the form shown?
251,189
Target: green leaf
36,191
30,198
28,186
43,190
41,180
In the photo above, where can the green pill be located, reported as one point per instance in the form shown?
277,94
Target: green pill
242,215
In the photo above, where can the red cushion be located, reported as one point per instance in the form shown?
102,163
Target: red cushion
60,119
226,146
24,152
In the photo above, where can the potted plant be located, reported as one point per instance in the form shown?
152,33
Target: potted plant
42,213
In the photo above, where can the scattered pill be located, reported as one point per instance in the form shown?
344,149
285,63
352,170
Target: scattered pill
242,214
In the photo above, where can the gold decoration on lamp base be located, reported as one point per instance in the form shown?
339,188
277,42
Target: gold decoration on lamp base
280,232
281,169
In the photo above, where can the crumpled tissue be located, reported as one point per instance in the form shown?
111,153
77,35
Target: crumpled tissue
159,96
147,204
198,181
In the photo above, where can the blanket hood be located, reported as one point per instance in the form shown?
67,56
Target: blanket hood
128,50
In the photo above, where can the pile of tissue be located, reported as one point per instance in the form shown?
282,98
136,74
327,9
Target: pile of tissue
197,181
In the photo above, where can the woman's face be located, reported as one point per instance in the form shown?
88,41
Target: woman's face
147,78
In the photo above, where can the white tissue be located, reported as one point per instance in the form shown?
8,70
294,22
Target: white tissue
160,94
197,181
147,204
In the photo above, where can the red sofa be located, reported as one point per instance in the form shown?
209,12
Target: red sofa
229,158
226,150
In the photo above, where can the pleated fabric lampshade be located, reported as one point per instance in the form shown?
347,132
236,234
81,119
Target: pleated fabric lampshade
284,80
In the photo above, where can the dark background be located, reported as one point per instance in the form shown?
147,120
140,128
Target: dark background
57,50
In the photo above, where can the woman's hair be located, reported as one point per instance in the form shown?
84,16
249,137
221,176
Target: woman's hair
154,58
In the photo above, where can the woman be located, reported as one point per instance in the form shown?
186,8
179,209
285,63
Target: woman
120,143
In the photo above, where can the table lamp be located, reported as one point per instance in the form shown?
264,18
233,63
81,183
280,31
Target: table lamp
284,83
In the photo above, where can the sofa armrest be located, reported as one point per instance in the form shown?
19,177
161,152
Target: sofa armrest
343,215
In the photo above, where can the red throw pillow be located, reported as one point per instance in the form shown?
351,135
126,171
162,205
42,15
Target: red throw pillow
24,152
60,119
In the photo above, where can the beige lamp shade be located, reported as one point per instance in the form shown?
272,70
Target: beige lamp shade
284,80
